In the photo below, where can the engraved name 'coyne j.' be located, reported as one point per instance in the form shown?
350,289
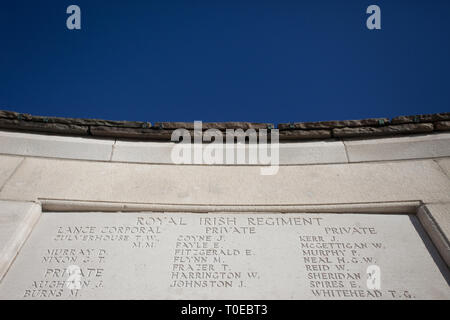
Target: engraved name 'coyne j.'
258,151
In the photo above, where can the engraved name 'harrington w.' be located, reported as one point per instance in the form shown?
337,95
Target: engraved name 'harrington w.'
239,148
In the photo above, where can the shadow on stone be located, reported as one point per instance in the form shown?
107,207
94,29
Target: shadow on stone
431,248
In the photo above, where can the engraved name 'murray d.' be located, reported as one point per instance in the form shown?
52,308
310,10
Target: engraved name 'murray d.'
226,256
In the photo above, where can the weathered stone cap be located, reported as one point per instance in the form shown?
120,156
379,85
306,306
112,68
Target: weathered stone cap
112,129
376,122
213,125
374,127
137,130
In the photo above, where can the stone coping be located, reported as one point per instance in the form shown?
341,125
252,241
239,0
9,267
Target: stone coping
162,131
419,146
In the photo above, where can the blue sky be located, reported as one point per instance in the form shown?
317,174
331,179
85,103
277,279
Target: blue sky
236,60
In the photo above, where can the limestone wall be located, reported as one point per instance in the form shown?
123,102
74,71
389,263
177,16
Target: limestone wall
397,175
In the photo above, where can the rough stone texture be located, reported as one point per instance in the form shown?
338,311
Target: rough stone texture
73,121
334,124
304,134
7,166
213,125
8,114
421,118
442,126
398,148
130,133
228,185
156,267
17,219
147,134
162,130
95,122
57,128
55,146
383,131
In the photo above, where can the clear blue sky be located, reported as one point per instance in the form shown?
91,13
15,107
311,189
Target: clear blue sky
235,60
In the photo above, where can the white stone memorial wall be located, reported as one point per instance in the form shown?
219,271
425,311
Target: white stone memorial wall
96,255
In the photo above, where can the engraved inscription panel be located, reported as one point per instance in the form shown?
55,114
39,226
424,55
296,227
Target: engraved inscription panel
226,256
